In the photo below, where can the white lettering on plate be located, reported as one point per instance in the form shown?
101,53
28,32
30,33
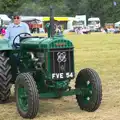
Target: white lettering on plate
61,75
57,75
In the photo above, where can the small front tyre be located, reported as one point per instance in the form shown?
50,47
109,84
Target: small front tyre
27,98
89,79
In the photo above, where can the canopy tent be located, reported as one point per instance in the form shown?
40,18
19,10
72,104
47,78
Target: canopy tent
31,18
4,20
56,18
4,17
33,21
117,24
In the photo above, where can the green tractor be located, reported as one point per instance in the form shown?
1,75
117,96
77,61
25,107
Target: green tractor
42,67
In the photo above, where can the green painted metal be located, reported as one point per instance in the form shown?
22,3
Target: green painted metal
40,81
58,84
56,42
46,43
48,29
87,96
27,64
78,91
4,45
22,99
31,43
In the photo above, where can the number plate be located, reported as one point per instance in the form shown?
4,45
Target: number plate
62,75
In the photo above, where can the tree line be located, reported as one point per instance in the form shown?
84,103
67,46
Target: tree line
107,10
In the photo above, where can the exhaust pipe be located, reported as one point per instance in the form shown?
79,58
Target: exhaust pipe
51,21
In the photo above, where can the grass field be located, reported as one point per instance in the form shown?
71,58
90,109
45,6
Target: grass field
97,51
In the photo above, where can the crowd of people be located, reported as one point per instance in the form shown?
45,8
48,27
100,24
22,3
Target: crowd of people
58,29
85,30
80,30
110,30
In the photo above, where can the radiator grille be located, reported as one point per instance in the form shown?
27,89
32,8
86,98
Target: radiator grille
62,63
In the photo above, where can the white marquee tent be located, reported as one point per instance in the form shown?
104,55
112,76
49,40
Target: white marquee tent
5,19
117,24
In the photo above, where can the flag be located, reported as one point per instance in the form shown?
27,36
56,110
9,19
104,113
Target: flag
114,3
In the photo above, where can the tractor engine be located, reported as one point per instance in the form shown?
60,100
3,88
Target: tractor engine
51,59
37,59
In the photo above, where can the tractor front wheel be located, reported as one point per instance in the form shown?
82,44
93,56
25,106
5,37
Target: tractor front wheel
27,98
89,79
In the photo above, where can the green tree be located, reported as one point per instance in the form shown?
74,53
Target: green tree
10,6
96,8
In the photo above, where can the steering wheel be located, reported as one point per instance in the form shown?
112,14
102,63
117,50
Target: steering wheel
17,45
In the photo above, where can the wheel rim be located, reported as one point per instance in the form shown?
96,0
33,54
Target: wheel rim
23,98
88,96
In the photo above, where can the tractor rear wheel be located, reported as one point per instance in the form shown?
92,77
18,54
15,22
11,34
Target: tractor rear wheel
90,80
26,93
5,78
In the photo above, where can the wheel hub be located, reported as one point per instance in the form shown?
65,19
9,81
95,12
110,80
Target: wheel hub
23,98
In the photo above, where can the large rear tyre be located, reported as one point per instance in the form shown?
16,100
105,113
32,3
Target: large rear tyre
5,78
90,80
27,98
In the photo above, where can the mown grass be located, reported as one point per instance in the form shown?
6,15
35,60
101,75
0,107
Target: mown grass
97,51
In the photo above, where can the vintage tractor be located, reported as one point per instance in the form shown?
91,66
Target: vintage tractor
42,67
